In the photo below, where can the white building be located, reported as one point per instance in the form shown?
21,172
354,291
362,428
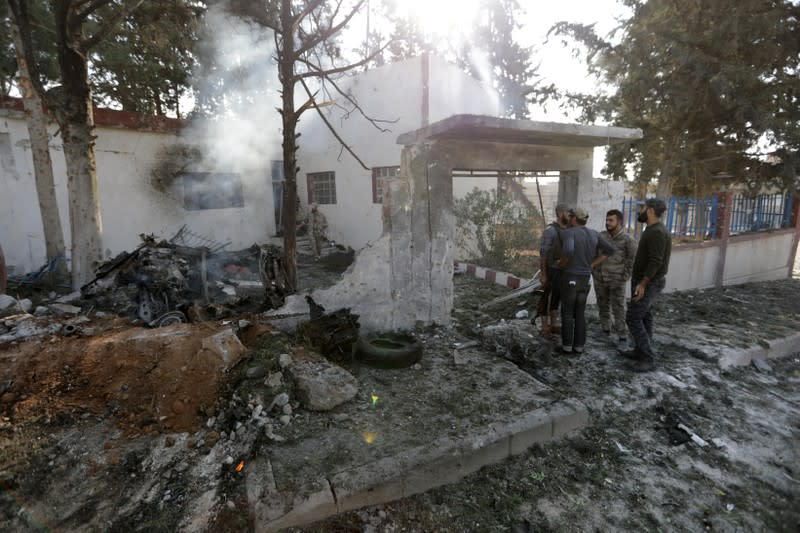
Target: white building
233,195
128,147
412,93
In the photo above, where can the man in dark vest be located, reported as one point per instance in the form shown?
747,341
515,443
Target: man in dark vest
550,271
649,278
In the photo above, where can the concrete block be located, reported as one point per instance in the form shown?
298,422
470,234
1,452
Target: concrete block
370,484
305,509
784,346
533,427
454,464
567,416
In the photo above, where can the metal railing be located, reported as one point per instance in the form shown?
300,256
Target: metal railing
761,212
689,219
685,219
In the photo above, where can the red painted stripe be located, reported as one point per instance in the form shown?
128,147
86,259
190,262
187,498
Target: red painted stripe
512,282
471,269
491,275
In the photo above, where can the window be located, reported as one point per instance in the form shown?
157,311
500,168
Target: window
211,190
321,187
378,175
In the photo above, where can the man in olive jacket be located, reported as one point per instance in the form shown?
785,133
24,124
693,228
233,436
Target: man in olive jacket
612,275
649,278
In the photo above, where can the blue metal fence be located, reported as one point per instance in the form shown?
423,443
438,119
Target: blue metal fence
761,212
686,218
697,219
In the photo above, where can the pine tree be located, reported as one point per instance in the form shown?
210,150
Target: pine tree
708,81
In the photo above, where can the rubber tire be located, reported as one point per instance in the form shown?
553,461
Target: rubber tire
388,350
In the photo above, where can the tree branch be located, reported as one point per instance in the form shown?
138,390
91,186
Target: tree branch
332,30
373,121
108,26
337,70
303,14
331,128
93,5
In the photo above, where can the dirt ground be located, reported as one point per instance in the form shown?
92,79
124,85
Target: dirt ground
90,440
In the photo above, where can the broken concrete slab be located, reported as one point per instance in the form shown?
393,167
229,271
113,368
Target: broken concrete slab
322,385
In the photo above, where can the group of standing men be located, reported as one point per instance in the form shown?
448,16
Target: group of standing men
572,255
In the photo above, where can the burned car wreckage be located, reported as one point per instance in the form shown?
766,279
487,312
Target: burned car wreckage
188,278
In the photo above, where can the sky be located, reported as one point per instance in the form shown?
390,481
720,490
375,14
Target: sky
556,62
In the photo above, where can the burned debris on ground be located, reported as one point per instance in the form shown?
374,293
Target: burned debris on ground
108,426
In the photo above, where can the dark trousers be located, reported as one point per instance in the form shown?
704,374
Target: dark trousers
552,292
574,291
640,316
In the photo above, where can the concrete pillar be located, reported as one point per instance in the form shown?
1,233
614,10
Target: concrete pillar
725,212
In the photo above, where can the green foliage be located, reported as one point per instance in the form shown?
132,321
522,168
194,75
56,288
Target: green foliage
708,82
495,229
512,75
146,65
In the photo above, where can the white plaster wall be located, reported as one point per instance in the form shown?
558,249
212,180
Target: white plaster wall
758,259
692,268
393,92
129,204
604,196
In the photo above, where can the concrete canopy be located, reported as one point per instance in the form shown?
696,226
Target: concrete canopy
405,278
504,130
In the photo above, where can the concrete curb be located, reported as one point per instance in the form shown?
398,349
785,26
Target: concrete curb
501,278
774,348
444,461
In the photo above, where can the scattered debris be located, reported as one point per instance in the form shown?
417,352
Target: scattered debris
165,282
331,334
693,436
761,365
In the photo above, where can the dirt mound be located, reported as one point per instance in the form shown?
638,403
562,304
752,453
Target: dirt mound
147,380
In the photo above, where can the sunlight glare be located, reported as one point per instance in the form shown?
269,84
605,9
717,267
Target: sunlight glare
441,17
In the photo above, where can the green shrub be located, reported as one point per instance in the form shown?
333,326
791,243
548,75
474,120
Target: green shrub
495,230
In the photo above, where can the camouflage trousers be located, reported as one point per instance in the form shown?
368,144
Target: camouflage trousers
611,304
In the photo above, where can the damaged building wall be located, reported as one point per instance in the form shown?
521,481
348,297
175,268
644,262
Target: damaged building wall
129,202
393,92
405,278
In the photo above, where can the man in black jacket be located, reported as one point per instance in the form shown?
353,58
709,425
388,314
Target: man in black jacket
649,277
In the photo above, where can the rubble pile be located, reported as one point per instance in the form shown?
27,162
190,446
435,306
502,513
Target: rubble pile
164,283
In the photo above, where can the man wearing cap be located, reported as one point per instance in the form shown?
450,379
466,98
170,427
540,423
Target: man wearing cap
550,271
649,278
583,250
611,277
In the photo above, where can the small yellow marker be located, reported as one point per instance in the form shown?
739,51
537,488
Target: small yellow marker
369,437
374,399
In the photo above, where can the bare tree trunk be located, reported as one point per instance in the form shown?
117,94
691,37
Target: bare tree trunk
77,131
42,165
290,169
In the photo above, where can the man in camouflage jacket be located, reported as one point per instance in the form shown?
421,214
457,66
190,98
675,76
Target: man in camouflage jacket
612,275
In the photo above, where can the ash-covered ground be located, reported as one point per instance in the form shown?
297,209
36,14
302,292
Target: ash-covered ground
91,442
629,470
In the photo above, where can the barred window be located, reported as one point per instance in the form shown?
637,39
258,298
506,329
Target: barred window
378,175
321,187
